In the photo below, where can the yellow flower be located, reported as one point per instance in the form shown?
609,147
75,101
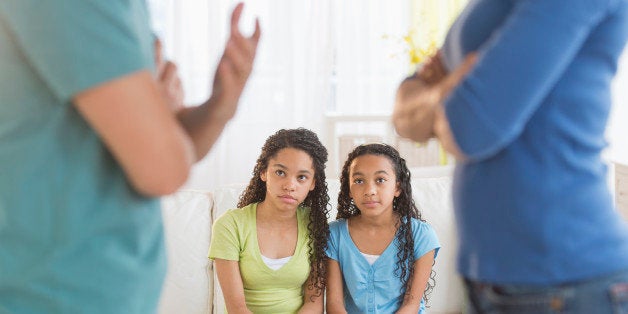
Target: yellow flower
418,50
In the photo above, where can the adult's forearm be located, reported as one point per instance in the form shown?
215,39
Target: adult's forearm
203,124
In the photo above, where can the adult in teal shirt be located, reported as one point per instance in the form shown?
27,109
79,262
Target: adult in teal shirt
537,227
87,140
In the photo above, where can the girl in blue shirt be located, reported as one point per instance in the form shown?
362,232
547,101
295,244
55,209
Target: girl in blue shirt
380,250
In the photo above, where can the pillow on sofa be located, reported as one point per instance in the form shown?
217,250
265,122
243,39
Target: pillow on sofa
188,287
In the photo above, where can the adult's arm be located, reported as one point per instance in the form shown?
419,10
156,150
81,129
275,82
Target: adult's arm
418,112
334,294
418,282
155,148
492,105
417,95
140,130
228,273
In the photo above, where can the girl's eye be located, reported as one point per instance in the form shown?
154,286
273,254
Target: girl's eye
302,178
380,180
280,173
358,181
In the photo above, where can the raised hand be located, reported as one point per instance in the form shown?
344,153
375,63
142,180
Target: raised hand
234,67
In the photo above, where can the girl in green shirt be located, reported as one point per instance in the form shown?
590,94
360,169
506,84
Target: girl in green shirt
269,253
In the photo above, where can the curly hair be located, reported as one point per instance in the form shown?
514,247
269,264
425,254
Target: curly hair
403,205
317,199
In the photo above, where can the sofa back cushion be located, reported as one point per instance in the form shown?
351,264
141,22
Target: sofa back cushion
189,283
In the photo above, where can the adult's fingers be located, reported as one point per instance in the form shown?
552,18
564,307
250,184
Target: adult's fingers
159,57
169,73
257,33
235,19
240,63
247,45
452,80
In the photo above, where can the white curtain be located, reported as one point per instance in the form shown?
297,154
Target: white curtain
316,59
618,125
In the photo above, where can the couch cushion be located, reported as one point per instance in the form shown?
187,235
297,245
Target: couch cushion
188,287
431,189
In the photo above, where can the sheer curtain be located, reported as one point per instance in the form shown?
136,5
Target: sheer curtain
317,59
618,125
314,58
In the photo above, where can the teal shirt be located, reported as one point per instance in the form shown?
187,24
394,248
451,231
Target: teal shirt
74,236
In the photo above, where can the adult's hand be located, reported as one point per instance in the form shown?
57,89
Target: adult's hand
442,130
416,99
420,96
234,68
168,80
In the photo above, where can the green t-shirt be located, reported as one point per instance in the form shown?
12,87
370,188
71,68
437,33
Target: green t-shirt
74,236
234,237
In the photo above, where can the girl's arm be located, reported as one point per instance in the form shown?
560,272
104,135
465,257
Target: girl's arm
334,293
422,271
311,302
228,273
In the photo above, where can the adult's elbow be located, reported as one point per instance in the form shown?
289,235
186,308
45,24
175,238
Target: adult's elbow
159,174
408,128
161,182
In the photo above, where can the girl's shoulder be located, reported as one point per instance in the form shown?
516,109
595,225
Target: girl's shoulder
239,214
337,224
420,226
338,221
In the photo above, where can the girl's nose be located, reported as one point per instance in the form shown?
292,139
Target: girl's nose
289,185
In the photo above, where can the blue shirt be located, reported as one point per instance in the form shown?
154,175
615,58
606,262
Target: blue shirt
74,236
532,202
375,288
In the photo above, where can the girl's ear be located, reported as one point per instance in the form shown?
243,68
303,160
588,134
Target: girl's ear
313,185
262,176
397,190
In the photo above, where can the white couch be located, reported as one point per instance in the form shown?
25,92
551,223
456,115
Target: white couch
191,287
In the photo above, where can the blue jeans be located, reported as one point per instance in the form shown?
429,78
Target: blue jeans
602,295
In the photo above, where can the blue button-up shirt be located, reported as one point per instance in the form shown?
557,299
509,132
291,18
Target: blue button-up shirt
374,288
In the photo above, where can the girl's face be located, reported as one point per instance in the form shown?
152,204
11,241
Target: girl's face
373,184
289,178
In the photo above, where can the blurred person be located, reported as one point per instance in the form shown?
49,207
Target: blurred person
520,93
90,134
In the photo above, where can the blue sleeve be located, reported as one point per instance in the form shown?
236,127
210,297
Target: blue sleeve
517,67
334,238
77,44
425,239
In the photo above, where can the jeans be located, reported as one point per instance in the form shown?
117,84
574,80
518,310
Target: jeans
600,295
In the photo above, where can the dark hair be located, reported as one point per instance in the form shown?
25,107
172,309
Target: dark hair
403,205
317,199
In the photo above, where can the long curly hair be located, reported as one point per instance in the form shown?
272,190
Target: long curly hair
317,199
403,205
